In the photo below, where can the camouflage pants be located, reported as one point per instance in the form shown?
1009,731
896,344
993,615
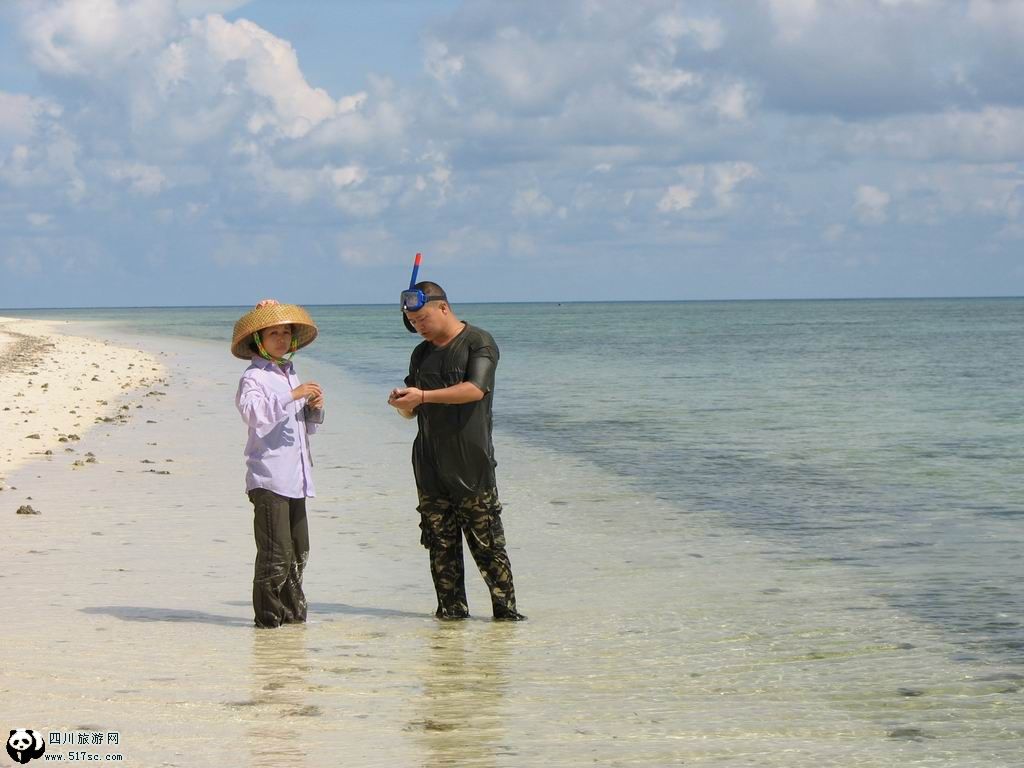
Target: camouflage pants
282,549
443,521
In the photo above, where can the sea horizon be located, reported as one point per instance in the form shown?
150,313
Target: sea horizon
546,302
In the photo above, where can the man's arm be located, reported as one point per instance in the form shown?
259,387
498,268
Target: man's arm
408,399
457,394
480,381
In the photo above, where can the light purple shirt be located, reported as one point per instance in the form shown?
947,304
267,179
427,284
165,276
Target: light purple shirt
277,453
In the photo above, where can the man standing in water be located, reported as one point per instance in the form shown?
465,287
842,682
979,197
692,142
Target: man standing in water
449,390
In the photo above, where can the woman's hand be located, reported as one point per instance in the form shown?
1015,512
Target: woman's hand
310,390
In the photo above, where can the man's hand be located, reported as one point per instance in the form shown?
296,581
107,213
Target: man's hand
311,391
405,399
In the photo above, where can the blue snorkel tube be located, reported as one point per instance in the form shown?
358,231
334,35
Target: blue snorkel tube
415,270
412,287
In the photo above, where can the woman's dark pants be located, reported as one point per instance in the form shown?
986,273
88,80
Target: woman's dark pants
282,549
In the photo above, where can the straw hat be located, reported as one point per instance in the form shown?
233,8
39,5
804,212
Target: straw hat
303,328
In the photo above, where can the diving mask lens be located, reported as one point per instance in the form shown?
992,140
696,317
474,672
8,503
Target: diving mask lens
413,300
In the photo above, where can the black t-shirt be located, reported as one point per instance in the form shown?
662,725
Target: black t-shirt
453,454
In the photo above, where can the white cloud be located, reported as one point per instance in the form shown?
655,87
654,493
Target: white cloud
731,101
440,64
991,134
871,205
20,114
21,260
284,103
242,250
677,198
441,175
518,65
143,179
225,97
663,82
347,176
49,161
1015,203
300,185
89,37
39,253
707,33
370,201
365,123
522,244
363,248
433,184
531,128
727,176
466,243
189,8
531,202
719,180
1002,17
964,191
834,233
793,17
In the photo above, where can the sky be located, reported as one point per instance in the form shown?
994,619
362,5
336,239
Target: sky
216,152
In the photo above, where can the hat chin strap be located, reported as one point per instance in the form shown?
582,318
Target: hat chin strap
266,355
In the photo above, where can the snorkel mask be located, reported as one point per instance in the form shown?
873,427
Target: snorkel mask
413,298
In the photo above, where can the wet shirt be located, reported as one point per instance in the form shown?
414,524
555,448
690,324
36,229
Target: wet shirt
453,454
277,452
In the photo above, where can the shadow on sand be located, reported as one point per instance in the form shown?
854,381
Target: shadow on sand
149,613
351,610
142,613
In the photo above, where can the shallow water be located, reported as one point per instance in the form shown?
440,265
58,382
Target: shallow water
883,436
791,554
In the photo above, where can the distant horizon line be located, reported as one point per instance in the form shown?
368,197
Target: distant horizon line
550,302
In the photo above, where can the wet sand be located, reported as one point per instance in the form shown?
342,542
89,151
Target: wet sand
133,589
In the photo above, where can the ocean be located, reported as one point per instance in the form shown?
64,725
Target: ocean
873,447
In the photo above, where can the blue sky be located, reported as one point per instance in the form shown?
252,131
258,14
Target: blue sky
177,152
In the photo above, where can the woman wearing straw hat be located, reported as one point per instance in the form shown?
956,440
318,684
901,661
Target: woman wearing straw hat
281,413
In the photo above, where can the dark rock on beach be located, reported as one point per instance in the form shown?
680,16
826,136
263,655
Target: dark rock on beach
27,509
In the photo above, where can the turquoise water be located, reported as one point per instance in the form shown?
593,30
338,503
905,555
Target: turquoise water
883,437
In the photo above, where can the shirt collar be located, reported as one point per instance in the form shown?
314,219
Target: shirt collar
268,365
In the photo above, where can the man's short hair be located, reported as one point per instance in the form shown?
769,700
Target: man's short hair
431,289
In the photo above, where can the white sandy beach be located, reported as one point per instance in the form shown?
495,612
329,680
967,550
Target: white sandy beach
55,387
132,589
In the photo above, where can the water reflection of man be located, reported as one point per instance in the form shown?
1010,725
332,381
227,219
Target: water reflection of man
465,679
